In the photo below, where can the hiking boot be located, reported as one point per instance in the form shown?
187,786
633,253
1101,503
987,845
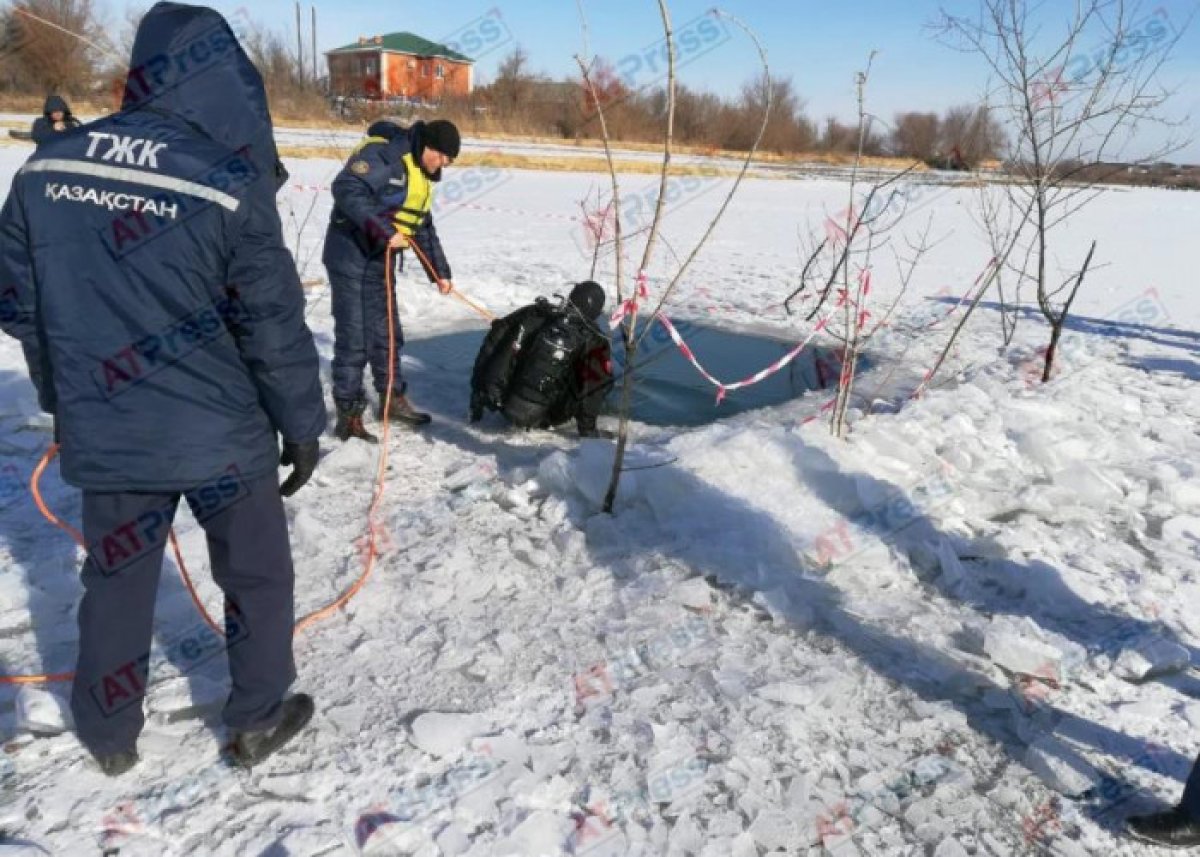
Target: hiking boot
403,412
350,424
249,748
115,764
1173,829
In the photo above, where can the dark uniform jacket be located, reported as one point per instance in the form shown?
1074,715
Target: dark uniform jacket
43,127
382,190
143,269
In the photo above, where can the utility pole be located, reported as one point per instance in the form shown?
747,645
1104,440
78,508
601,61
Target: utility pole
299,44
316,70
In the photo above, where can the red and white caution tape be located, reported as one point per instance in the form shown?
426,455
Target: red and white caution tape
641,292
545,215
722,387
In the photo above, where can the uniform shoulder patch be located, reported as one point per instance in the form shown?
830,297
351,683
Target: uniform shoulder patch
360,168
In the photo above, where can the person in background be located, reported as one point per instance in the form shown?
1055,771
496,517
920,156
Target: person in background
56,117
382,198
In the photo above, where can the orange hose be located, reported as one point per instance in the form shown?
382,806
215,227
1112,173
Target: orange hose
372,526
35,489
381,472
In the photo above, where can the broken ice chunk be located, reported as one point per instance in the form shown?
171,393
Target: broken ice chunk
446,734
1021,646
41,712
543,832
472,474
788,693
949,847
695,593
774,831
1150,657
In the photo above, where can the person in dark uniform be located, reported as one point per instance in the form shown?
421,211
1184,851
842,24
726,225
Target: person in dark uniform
546,364
383,198
56,117
143,269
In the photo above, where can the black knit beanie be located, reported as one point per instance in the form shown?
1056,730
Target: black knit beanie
442,135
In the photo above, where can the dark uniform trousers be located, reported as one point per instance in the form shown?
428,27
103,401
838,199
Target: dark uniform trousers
1191,792
360,325
252,564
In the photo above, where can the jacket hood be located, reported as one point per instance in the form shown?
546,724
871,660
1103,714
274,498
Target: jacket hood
187,61
56,102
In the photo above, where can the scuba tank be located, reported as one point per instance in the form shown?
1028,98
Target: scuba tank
490,379
545,371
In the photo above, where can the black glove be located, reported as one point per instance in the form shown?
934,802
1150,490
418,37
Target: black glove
303,459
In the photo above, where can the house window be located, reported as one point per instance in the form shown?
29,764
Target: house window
371,67
440,71
412,63
424,71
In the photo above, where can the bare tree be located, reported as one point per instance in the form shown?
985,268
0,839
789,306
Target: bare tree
787,129
916,135
968,136
513,84
999,222
837,136
697,115
631,336
855,308
1074,96
291,89
51,46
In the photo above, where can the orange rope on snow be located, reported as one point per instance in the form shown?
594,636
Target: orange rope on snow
380,473
372,524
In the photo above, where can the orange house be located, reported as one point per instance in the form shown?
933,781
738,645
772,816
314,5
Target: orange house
399,65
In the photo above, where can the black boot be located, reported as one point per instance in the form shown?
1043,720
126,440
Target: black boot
350,424
402,412
115,764
250,748
1173,829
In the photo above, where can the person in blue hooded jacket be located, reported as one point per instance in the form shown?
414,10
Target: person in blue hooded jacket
56,117
143,269
383,198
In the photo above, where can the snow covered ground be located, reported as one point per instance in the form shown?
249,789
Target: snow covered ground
938,638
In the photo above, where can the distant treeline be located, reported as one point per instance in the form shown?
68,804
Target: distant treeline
522,101
36,60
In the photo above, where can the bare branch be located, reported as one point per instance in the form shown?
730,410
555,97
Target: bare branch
762,52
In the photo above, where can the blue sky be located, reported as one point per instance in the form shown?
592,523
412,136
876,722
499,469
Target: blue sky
819,44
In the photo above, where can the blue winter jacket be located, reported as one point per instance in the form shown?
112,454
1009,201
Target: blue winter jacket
143,269
367,194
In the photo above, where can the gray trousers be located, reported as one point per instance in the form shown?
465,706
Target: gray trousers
251,561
